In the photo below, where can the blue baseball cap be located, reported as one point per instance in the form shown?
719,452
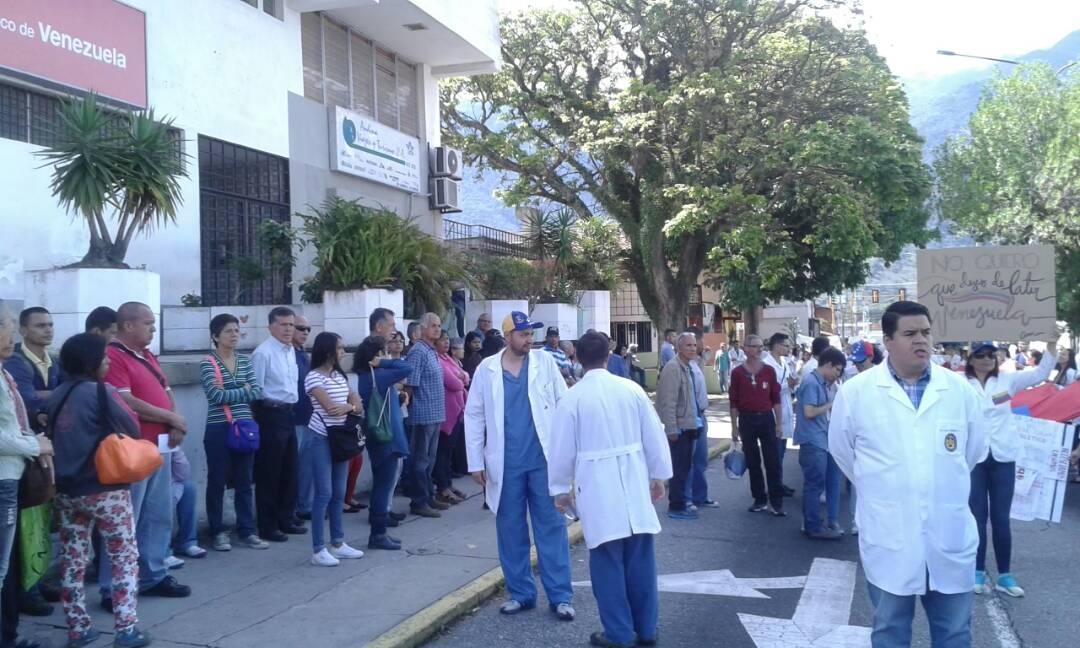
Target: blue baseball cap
983,344
861,350
518,321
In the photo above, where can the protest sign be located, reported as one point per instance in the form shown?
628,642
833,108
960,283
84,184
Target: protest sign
989,293
1042,468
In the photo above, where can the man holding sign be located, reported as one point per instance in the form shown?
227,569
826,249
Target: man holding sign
993,480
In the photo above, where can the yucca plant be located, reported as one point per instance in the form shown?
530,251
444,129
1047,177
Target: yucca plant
119,163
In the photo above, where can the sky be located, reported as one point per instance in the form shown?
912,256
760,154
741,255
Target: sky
909,32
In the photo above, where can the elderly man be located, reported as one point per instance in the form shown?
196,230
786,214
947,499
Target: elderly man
427,411
483,324
381,323
908,433
755,421
507,430
608,446
137,376
681,406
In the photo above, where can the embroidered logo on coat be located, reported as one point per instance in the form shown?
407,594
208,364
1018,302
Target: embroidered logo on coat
950,442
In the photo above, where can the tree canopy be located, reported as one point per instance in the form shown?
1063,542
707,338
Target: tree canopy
751,142
1014,176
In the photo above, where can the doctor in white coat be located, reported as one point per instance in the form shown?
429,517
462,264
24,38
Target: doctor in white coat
507,429
908,433
609,456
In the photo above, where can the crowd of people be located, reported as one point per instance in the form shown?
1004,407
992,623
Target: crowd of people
285,427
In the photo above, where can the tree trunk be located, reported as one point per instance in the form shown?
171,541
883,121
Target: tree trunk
751,318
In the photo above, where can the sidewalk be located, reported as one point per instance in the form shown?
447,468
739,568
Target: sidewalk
275,598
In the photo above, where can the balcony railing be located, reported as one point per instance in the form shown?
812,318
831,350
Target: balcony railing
488,240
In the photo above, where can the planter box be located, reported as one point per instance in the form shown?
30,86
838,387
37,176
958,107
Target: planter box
187,329
71,293
346,312
594,311
562,316
498,308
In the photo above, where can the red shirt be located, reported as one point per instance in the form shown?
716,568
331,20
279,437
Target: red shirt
754,393
126,373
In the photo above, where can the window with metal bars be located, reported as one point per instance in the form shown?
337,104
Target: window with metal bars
343,68
639,333
240,190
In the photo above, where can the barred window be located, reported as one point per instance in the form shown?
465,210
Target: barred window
343,68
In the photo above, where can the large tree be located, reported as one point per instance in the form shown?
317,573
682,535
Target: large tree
1014,176
752,141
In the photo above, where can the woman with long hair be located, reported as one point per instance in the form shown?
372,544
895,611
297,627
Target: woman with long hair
229,382
377,372
993,479
332,401
1066,368
473,343
80,411
492,344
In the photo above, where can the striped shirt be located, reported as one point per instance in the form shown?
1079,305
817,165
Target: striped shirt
336,386
561,360
231,391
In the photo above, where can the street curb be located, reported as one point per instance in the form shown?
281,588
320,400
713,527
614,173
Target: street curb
421,626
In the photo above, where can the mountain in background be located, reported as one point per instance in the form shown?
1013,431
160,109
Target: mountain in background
940,107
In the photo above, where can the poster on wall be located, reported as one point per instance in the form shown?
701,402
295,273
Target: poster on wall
97,45
1002,293
363,147
1042,468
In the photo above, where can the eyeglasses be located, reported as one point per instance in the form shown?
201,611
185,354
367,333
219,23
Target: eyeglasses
304,329
982,356
752,346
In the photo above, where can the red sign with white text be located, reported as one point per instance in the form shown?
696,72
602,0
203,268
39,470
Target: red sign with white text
97,45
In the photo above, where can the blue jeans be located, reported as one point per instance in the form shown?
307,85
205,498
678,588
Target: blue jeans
820,473
9,518
623,574
151,501
525,494
383,476
637,374
223,464
186,516
423,451
304,485
949,616
992,486
697,487
329,480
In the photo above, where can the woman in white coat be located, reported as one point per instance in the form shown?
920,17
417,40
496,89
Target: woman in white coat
993,479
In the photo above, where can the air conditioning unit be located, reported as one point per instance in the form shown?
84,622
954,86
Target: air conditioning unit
445,162
444,194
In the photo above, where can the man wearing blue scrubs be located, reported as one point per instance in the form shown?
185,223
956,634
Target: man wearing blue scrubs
507,426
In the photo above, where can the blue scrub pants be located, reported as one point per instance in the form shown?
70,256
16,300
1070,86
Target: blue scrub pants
623,576
527,491
697,487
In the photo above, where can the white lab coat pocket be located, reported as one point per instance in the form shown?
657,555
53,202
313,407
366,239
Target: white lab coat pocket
955,529
880,523
951,440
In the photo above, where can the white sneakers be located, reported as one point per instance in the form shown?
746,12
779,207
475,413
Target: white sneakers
172,562
221,542
324,559
345,552
332,556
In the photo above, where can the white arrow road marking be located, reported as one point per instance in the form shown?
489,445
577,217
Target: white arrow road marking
719,583
820,619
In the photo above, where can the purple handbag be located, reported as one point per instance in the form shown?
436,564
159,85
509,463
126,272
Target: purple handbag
243,436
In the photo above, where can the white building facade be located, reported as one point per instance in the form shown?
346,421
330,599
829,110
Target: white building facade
250,85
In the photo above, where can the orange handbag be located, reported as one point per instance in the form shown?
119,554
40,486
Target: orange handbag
121,459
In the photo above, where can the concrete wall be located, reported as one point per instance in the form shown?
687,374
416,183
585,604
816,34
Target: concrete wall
222,69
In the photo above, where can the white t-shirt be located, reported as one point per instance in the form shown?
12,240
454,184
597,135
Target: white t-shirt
337,387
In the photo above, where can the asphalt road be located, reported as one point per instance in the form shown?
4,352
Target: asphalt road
759,546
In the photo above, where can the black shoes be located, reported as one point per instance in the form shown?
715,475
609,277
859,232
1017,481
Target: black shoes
169,588
758,507
397,516
600,640
294,529
275,536
383,542
33,604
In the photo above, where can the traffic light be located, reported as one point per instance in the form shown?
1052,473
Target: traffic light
902,295
875,296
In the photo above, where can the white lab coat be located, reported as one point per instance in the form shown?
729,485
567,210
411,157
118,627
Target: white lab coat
1001,434
787,413
913,474
484,415
606,444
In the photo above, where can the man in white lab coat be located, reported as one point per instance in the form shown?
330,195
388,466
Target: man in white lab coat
779,358
908,433
507,429
609,457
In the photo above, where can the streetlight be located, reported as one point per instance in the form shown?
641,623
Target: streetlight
999,60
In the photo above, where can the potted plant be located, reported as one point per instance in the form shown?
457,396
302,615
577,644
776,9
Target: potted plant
108,165
365,257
